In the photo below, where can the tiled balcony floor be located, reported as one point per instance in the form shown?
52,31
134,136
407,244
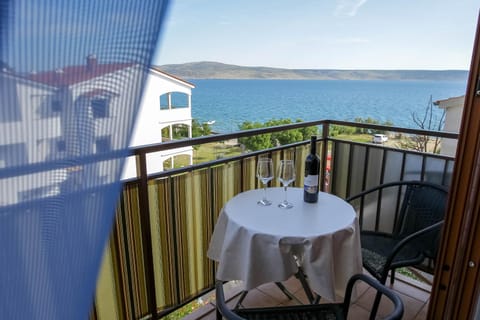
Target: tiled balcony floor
415,299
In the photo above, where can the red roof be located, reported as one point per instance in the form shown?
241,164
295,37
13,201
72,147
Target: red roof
157,69
75,74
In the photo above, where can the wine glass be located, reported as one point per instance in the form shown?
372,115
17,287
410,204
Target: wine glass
286,175
265,174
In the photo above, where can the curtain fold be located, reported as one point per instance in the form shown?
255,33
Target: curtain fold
71,79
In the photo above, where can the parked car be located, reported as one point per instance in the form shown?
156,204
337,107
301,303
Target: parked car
379,138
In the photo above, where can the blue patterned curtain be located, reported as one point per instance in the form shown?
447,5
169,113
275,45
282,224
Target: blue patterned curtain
71,78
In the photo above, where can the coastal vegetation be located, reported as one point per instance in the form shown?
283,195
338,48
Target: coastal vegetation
336,130
211,151
270,140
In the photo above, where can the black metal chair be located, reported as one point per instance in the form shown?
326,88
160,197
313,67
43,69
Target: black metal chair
414,238
325,311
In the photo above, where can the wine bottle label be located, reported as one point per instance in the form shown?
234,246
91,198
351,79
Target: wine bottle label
311,183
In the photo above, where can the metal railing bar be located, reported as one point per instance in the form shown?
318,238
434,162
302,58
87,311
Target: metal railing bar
424,164
252,132
324,156
445,169
331,182
441,134
365,168
217,162
147,248
190,142
440,156
221,137
349,175
399,192
382,170
379,205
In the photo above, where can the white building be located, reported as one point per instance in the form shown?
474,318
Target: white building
166,105
453,118
55,116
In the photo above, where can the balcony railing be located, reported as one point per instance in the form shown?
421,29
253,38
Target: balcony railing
156,259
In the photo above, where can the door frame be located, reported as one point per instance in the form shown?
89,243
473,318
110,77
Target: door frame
455,291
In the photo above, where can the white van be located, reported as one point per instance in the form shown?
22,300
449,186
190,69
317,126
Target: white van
379,138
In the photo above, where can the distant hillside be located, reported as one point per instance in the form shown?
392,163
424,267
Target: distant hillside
216,70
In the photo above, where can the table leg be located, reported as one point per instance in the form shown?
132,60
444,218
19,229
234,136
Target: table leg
300,275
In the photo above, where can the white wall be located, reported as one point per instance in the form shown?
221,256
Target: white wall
453,118
151,120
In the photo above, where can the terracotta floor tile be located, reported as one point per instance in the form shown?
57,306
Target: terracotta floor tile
357,313
415,300
409,290
412,306
422,315
293,284
256,298
275,292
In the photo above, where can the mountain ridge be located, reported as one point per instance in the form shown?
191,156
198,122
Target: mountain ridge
218,70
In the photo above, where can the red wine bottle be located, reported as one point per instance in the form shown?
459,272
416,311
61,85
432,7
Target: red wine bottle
312,169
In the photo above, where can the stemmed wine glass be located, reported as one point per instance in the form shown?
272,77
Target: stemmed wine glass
265,174
286,175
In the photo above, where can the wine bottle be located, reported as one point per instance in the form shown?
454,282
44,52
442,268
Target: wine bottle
312,169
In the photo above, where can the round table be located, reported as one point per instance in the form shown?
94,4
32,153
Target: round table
259,244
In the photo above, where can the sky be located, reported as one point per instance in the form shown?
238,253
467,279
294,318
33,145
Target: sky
321,34
51,34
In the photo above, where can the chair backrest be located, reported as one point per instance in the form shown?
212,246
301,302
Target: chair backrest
423,206
313,311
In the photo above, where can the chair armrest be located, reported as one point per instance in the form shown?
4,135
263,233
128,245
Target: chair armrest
411,237
398,310
221,303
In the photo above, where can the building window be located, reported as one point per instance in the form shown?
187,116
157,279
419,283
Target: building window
99,108
103,144
177,100
164,102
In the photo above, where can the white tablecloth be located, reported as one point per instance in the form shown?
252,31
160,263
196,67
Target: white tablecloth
257,244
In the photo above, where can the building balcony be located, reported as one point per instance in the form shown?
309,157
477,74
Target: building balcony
156,260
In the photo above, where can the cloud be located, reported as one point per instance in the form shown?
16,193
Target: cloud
348,7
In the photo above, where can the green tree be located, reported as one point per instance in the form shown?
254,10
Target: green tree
270,140
307,132
200,129
283,137
258,142
370,120
336,130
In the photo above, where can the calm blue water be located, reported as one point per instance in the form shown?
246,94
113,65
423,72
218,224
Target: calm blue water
230,102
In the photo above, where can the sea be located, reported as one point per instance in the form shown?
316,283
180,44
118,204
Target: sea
228,103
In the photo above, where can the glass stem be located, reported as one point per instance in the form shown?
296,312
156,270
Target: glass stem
285,187
265,192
